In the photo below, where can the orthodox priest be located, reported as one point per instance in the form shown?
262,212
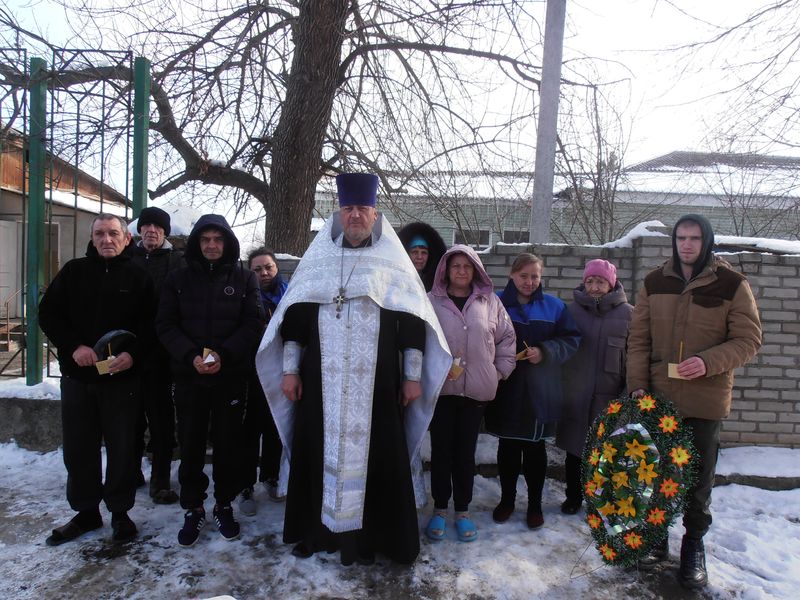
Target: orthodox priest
352,363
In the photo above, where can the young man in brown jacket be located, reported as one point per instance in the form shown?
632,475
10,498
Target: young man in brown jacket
694,310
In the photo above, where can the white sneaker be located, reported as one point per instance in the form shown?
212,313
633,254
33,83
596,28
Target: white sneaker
247,504
271,485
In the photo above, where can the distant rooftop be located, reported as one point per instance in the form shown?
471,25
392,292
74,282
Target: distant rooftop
687,161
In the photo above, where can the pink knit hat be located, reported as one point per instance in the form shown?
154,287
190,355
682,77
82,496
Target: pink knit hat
601,268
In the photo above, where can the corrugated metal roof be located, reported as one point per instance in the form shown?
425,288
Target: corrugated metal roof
688,161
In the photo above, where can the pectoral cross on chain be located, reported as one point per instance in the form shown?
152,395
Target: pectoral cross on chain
340,299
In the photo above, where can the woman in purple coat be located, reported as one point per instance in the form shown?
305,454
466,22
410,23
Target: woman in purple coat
596,373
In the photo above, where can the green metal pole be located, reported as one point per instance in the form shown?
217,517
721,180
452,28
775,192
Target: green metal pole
34,272
141,124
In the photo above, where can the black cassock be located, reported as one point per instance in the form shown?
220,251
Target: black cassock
390,515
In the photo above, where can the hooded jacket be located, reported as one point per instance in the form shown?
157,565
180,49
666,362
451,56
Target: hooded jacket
436,248
713,316
210,305
533,392
481,335
595,374
91,296
706,249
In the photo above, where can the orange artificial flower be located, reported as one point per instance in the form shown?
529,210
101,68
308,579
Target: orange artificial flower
594,457
601,429
633,540
614,408
656,516
608,553
594,521
669,488
667,424
647,403
679,455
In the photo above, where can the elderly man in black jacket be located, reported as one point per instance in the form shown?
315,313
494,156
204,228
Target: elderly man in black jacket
209,320
155,254
99,294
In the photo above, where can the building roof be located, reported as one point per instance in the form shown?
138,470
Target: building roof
690,161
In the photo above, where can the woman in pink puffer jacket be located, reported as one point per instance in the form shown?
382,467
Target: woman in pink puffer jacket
482,342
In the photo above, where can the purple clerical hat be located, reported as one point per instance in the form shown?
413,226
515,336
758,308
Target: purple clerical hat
360,189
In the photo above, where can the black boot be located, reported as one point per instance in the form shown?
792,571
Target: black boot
693,574
657,555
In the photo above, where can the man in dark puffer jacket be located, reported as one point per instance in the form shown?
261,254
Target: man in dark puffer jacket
209,320
89,298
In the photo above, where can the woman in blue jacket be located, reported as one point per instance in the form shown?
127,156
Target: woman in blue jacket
528,404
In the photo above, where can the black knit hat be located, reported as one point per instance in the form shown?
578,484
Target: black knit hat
155,216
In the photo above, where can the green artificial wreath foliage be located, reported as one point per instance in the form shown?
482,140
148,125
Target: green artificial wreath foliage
638,463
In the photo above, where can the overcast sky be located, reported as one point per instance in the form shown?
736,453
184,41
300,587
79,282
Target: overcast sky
667,107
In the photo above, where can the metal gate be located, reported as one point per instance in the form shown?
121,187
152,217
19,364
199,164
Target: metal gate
73,141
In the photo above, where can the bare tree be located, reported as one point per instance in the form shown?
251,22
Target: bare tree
757,59
760,194
589,160
264,98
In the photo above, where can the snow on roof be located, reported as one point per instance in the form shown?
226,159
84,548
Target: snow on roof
82,203
715,174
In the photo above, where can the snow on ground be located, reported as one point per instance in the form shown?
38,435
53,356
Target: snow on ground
753,550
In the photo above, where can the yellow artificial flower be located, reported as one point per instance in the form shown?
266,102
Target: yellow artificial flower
607,509
646,472
625,507
647,403
609,451
679,455
620,479
635,449
598,480
667,424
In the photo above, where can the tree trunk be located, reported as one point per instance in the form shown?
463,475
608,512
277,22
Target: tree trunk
298,138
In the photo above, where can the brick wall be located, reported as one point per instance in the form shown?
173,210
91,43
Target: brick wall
766,397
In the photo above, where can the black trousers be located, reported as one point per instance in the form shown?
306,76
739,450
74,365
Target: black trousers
572,468
262,444
454,435
529,458
697,515
220,406
91,414
159,416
